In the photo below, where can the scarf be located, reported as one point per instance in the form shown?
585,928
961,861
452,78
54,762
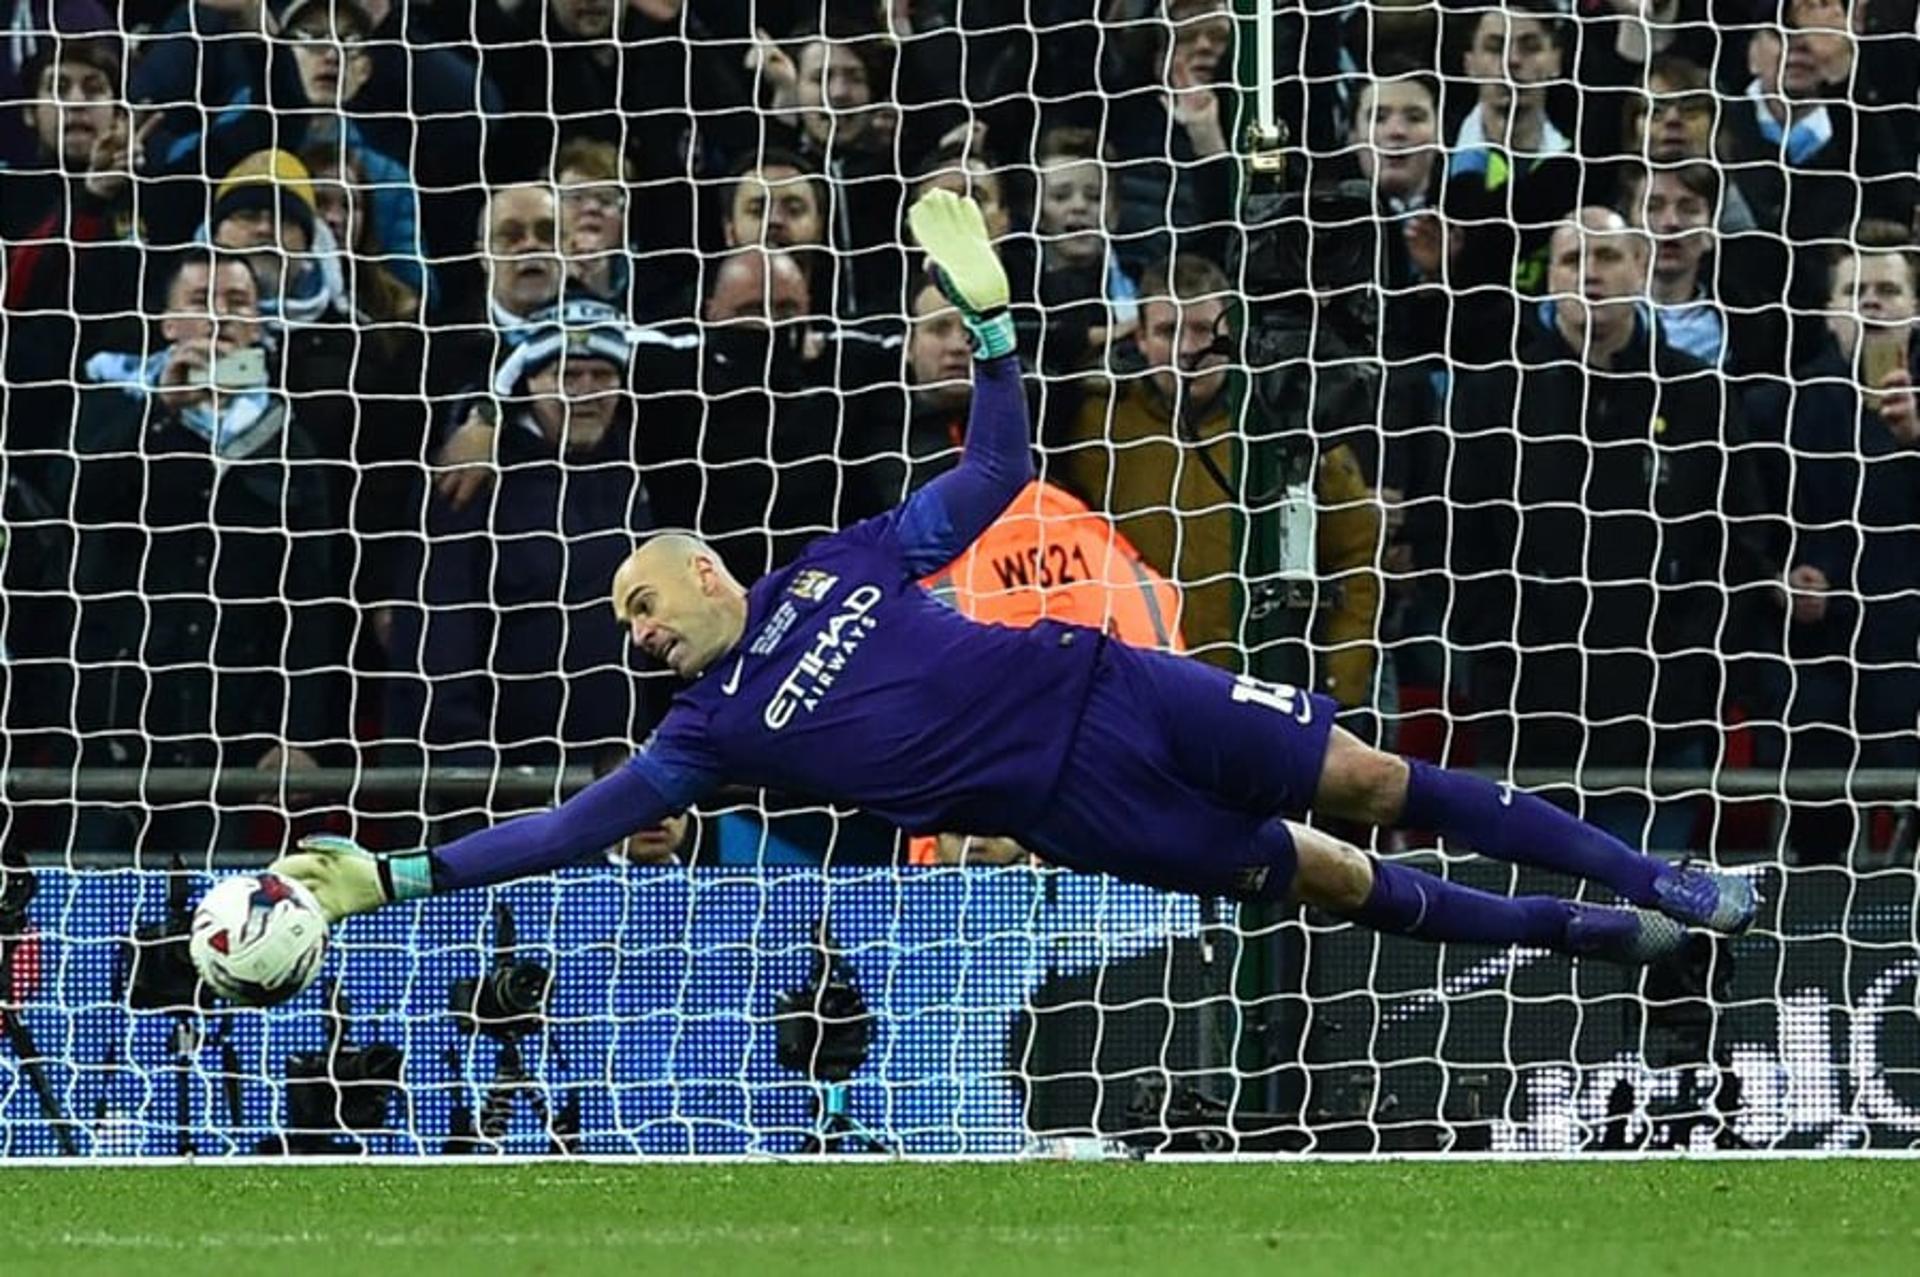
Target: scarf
245,422
1802,138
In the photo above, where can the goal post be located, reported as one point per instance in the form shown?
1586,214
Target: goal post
311,533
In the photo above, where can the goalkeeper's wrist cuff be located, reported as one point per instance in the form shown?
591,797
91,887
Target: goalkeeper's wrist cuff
407,876
992,334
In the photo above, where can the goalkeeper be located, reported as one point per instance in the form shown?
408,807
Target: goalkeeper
839,676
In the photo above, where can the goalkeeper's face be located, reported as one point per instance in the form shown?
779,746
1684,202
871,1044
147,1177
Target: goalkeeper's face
679,603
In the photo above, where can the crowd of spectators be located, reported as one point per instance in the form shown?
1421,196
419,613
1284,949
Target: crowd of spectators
348,344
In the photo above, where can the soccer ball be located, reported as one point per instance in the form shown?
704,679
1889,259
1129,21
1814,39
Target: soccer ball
258,938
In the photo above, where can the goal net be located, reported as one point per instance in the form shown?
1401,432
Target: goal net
1535,380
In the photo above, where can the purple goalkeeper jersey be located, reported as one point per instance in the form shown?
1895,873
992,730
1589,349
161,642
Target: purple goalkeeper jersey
854,685
851,683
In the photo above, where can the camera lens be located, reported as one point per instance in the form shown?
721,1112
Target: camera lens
520,988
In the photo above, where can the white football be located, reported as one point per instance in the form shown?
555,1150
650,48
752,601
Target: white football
258,938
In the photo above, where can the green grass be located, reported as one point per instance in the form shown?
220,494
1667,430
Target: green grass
1623,1219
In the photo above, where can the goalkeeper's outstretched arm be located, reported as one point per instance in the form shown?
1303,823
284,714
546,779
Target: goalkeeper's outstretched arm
942,519
348,880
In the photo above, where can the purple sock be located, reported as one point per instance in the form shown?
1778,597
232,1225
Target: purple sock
1407,902
1507,824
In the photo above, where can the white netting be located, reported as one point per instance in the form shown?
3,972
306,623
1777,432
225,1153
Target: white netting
1624,501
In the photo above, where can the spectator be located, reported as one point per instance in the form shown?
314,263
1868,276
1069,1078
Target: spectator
1395,132
1624,46
753,288
210,69
264,212
618,73
826,84
778,201
1677,208
68,224
1605,523
38,26
964,173
383,421
1673,123
332,66
740,440
502,644
897,437
206,64
1157,457
1512,176
361,408
593,179
519,247
1087,301
645,78
519,244
1173,169
940,383
1853,436
1395,139
1809,164
208,635
341,200
1514,56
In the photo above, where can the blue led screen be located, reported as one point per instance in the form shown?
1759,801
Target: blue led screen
661,1023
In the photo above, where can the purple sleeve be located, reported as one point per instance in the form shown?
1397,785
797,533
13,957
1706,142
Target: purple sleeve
943,518
647,789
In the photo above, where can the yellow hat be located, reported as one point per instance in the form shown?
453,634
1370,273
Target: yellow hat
262,180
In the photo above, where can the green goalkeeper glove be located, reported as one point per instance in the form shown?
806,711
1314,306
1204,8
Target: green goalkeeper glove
963,266
347,879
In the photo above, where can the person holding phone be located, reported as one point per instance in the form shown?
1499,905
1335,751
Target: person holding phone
207,634
1850,479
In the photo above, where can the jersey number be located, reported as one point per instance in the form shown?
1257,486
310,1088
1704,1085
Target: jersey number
1283,698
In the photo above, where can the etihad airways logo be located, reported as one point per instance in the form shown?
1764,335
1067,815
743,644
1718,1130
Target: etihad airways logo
819,667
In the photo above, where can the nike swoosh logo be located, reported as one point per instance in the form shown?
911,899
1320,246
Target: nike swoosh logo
732,684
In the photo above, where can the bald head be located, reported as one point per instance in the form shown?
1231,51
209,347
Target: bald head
679,601
1596,271
1594,223
672,547
757,284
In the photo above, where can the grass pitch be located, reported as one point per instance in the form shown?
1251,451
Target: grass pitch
1700,1219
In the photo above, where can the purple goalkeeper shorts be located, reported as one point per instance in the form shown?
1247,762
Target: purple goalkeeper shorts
1180,773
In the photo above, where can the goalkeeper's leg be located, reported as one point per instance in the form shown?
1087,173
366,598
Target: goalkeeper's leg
1360,783
1390,897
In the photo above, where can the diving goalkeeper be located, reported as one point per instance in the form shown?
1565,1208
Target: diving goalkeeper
838,676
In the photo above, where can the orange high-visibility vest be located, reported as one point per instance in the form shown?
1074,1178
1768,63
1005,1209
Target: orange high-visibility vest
1050,557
